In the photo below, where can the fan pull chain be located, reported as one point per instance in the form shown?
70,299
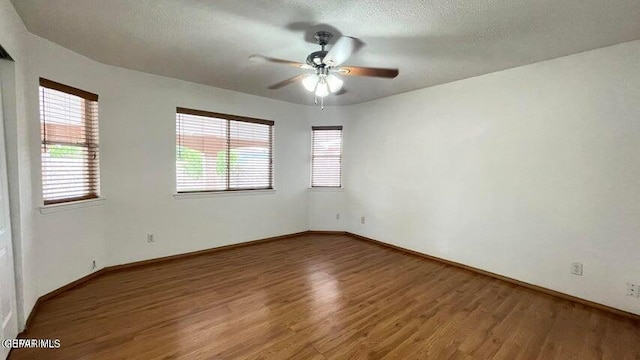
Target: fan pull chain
322,103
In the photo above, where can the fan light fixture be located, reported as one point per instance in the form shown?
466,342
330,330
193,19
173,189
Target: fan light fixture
322,84
310,82
334,82
323,89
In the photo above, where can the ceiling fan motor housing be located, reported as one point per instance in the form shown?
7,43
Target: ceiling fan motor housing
323,37
315,58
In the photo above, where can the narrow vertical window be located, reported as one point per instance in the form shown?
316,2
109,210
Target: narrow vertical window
326,156
219,152
69,143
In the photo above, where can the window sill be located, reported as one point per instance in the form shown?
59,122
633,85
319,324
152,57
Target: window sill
48,209
208,194
326,189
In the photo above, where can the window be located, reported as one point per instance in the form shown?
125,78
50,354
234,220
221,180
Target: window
69,143
218,152
326,156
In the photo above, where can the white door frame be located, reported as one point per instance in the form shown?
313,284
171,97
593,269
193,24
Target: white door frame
8,306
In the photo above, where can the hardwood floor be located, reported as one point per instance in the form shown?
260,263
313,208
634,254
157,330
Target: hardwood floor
320,297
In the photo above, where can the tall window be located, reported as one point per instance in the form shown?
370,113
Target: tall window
326,156
218,152
69,143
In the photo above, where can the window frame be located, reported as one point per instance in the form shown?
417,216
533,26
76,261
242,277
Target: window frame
341,156
91,129
228,118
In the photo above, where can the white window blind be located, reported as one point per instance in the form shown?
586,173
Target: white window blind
219,152
326,156
69,143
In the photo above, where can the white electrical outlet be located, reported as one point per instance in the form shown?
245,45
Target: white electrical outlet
337,216
362,220
576,269
633,290
150,238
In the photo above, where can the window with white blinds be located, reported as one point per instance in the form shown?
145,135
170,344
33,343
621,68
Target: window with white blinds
69,143
326,156
219,152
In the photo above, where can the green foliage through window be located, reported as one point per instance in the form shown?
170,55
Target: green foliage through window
64,151
192,161
221,161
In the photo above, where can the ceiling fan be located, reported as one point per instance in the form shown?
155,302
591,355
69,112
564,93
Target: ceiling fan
326,64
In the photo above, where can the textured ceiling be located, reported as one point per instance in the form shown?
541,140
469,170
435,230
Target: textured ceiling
430,42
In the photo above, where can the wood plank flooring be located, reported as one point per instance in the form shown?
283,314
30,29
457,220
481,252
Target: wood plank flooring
320,297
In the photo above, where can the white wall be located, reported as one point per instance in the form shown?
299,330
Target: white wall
139,159
137,144
520,172
65,242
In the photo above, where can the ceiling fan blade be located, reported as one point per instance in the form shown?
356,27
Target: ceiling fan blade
365,71
288,81
280,61
341,51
